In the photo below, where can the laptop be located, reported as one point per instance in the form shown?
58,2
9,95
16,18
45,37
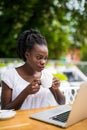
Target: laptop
66,115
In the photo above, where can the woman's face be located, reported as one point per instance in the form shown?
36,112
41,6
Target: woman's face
37,58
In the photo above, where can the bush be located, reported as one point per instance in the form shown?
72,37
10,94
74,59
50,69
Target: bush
60,76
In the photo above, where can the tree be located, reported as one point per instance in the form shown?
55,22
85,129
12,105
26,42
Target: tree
63,27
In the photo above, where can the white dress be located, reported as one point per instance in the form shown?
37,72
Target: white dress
42,98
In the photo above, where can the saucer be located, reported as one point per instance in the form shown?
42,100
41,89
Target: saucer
7,114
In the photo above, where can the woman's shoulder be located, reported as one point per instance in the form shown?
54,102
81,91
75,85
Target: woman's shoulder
8,72
9,77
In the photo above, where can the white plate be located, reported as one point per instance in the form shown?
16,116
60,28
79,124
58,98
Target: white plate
7,114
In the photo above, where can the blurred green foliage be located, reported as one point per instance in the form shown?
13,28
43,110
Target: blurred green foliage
64,27
60,76
2,64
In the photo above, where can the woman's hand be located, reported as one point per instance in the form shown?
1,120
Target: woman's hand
33,87
59,96
55,83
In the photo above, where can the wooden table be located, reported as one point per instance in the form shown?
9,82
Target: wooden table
22,122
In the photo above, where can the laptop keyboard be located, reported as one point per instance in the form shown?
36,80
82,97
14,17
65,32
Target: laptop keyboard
61,117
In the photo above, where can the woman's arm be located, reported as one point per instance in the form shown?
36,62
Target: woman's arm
59,96
6,96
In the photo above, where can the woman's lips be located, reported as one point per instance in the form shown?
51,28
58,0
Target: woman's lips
41,68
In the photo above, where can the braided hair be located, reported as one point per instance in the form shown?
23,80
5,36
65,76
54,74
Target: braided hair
27,40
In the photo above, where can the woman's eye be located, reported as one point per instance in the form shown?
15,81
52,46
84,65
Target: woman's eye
39,57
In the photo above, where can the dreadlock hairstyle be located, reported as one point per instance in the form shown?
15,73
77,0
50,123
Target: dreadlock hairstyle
27,40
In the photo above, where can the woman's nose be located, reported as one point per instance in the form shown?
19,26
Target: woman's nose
43,61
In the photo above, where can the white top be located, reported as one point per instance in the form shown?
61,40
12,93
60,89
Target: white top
42,98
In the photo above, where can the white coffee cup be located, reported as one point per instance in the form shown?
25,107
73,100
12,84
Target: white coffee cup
46,82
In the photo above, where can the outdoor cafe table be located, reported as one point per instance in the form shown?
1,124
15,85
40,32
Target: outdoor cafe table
22,122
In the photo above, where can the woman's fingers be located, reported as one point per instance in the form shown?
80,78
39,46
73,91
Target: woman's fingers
56,83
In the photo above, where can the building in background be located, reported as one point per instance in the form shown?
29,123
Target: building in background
73,55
